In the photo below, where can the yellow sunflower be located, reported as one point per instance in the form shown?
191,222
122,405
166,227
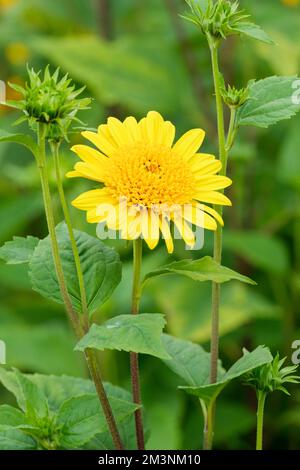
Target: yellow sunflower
145,180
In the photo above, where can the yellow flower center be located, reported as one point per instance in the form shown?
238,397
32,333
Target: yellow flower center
149,174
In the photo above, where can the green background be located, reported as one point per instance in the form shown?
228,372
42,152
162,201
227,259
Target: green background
135,57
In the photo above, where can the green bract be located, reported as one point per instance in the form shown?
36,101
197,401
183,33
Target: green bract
222,18
50,100
273,376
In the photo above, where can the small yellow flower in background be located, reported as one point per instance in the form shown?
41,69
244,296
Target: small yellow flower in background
145,178
291,3
7,3
17,53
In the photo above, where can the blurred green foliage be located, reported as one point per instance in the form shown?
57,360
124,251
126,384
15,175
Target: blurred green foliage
141,56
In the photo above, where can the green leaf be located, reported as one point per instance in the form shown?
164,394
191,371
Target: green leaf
81,418
261,250
10,416
21,139
270,100
19,250
191,363
100,264
34,400
14,439
253,31
188,360
204,269
249,361
137,333
11,383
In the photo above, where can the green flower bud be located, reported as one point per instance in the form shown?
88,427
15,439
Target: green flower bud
216,18
50,100
272,376
234,97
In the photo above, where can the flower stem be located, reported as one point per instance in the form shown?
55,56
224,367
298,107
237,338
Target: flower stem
134,360
51,227
218,234
67,216
208,425
261,399
79,329
216,291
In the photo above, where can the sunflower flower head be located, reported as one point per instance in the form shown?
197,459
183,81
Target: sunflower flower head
146,182
50,100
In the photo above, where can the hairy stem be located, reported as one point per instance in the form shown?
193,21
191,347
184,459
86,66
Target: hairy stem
134,359
216,290
79,329
42,166
208,426
261,399
67,216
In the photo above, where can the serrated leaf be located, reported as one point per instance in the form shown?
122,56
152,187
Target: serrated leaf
136,333
249,361
21,139
10,416
11,383
19,250
15,439
253,31
270,100
35,403
188,360
192,363
100,264
81,418
204,269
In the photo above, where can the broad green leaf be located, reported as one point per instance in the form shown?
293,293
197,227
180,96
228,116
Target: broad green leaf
270,100
100,264
288,166
204,269
253,31
10,382
261,250
81,418
249,361
14,439
191,363
21,139
188,360
137,333
10,416
29,397
34,400
19,250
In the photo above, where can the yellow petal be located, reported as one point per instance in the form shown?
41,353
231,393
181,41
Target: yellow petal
91,199
73,174
184,229
133,128
211,183
212,197
168,134
189,143
166,233
150,228
199,218
154,127
93,217
212,212
90,155
119,132
90,172
100,140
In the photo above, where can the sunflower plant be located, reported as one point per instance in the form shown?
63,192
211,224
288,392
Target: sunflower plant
149,184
